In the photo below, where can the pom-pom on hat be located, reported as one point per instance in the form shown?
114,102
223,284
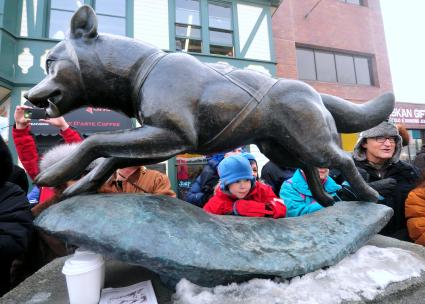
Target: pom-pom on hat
234,168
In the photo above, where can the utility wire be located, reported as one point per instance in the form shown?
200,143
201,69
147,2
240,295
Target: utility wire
314,6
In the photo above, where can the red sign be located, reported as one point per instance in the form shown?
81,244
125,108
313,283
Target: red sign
410,114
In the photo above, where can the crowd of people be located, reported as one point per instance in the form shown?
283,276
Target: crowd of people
228,185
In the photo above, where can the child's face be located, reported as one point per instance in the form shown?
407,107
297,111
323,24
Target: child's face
323,173
254,169
241,188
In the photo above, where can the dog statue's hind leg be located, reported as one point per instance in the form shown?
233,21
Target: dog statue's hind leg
281,157
316,187
343,162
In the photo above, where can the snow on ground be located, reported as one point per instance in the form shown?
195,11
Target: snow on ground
363,274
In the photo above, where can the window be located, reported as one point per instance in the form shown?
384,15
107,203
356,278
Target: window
357,2
111,16
220,28
333,67
188,26
60,15
189,23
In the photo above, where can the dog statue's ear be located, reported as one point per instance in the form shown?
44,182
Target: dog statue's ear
84,23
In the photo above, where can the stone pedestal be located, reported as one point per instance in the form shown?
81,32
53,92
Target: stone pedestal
48,285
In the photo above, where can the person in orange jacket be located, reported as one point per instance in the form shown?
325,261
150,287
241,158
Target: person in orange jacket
240,193
138,179
415,214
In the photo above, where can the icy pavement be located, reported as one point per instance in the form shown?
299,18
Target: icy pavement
362,275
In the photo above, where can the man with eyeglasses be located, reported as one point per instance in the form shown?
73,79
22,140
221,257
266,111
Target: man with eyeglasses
377,156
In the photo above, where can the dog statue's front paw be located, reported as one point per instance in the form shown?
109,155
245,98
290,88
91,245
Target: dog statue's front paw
47,178
80,187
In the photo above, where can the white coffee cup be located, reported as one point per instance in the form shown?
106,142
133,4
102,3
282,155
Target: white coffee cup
85,273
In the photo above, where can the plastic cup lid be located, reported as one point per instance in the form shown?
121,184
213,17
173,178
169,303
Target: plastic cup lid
82,263
83,251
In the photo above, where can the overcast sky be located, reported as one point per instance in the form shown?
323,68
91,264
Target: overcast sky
404,24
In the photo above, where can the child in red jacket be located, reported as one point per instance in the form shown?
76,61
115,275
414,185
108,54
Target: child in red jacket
241,194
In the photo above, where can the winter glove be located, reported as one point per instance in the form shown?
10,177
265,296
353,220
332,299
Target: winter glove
278,208
250,208
346,193
385,186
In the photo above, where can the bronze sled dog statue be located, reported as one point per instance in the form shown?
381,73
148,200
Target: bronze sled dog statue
184,105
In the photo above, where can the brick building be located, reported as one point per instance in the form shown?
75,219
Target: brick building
337,46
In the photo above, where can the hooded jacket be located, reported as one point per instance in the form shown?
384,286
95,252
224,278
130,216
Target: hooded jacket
405,174
298,197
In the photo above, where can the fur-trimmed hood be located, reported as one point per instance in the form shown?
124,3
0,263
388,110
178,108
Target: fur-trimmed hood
385,128
60,152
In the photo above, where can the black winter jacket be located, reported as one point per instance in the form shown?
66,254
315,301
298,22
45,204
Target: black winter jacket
203,187
274,176
406,176
15,228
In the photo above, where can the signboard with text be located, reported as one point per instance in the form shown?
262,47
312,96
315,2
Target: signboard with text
410,114
87,121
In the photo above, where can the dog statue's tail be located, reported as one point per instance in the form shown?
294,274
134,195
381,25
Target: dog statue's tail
351,118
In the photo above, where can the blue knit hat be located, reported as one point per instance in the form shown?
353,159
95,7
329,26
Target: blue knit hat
234,168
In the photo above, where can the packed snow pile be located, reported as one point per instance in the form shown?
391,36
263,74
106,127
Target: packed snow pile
364,274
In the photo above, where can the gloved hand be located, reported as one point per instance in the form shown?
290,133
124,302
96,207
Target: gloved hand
250,208
384,186
346,193
278,208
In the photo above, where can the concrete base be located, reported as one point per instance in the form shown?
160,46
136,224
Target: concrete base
48,284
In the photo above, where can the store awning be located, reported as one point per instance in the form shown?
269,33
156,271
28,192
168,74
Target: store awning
86,121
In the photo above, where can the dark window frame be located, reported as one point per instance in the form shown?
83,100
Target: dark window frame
358,81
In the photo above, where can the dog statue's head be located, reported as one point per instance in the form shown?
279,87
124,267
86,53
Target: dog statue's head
65,87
